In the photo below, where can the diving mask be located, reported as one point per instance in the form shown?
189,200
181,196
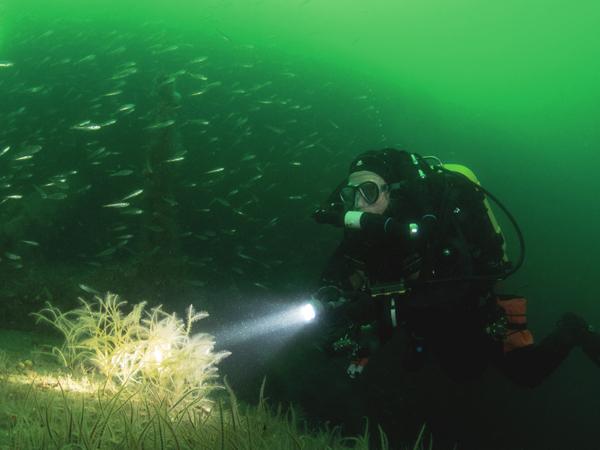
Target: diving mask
369,190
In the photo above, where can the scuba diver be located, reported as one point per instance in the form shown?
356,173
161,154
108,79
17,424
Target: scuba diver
422,252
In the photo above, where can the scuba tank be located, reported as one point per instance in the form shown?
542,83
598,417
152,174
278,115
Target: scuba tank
470,176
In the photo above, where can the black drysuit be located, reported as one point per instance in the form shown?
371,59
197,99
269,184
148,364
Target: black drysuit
449,319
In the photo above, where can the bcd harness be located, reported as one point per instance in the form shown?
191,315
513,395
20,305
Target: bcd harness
508,324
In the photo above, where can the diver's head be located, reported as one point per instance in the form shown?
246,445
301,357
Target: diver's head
387,181
366,191
373,175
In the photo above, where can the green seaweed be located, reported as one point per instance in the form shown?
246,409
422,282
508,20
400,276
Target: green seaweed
136,411
141,347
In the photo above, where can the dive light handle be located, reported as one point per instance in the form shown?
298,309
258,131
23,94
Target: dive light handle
405,232
331,214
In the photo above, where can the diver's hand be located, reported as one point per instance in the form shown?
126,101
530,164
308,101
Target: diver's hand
330,215
327,302
329,293
339,308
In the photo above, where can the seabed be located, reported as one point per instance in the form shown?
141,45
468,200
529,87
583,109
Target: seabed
45,406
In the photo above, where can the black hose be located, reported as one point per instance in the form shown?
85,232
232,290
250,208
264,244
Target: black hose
496,277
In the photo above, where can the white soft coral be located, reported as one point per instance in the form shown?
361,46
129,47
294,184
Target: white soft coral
148,348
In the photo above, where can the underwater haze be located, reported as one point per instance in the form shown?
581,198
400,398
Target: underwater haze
173,151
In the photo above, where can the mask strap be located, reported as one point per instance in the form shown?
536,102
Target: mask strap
396,186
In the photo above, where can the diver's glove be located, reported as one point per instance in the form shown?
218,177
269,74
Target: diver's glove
327,301
575,327
332,215
337,305
404,231
341,315
582,334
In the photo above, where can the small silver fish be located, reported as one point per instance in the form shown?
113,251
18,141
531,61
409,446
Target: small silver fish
86,126
199,59
56,196
121,173
175,159
28,152
160,125
88,289
275,130
132,212
133,194
23,157
127,107
107,252
124,73
87,58
170,201
40,191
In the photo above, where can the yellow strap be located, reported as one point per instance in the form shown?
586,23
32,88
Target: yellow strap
459,168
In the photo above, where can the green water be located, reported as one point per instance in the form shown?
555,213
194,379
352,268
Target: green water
276,97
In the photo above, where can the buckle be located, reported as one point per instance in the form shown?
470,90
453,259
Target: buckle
388,289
